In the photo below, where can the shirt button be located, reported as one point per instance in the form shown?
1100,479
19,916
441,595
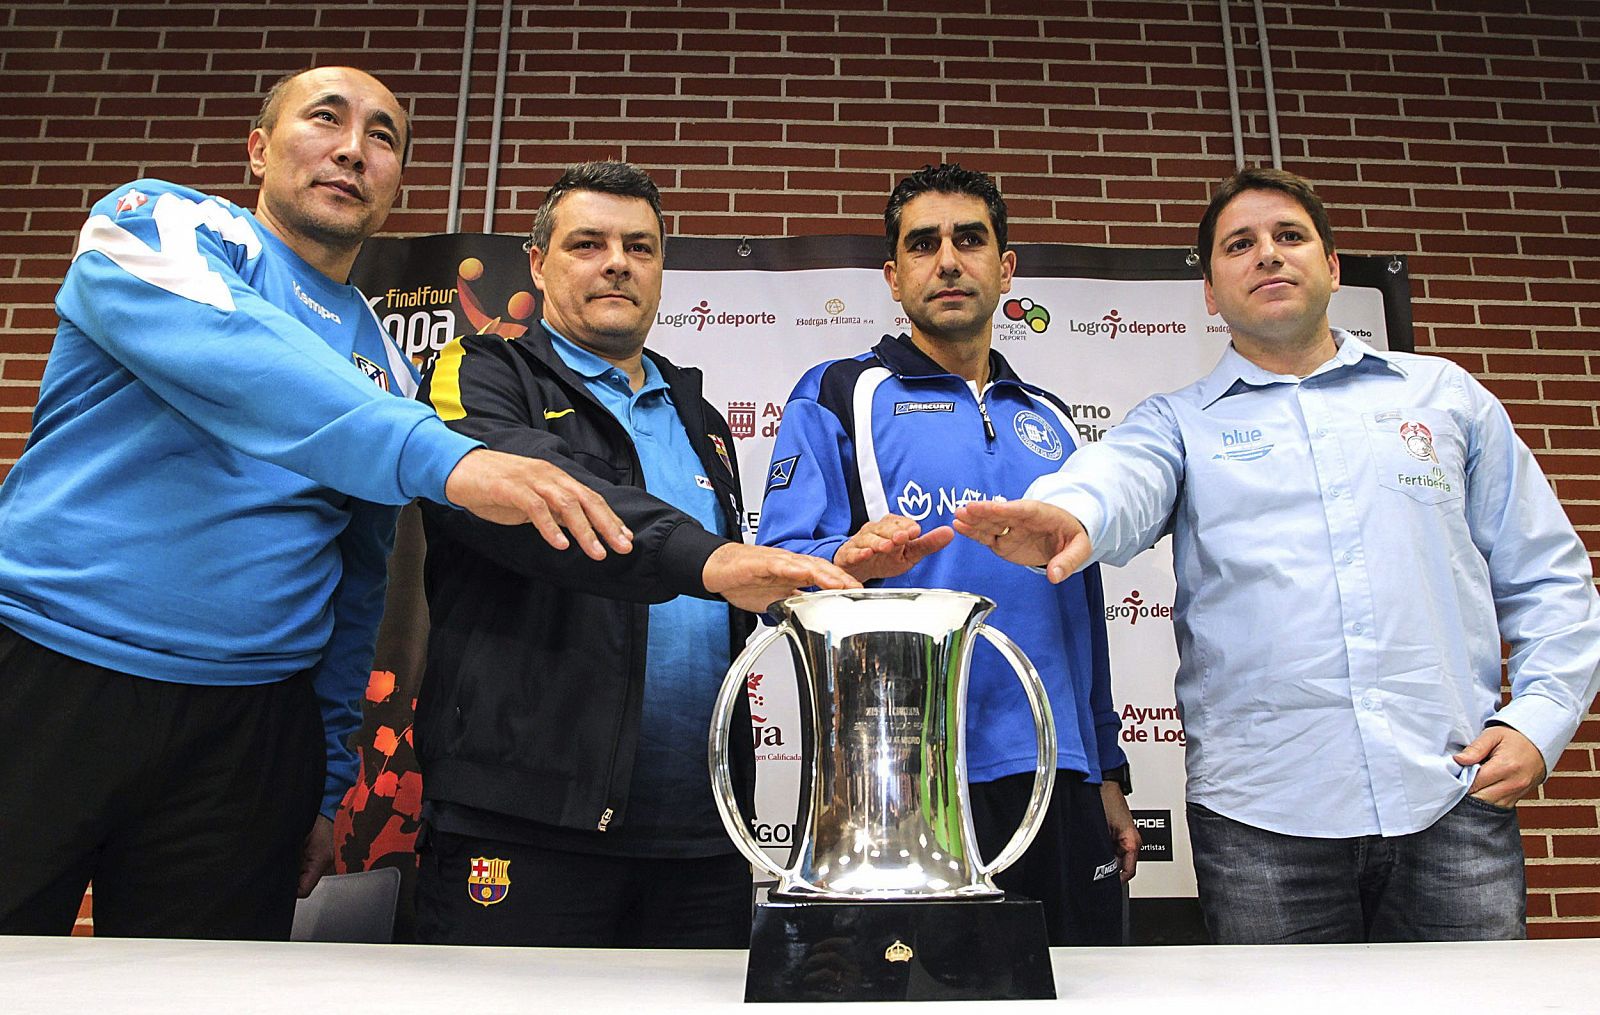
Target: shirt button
1357,628
1349,557
1369,701
1322,431
1333,491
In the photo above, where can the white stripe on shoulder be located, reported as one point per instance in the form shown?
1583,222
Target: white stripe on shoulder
872,492
399,367
178,266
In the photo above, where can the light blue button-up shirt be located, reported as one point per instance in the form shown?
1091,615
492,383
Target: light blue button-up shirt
1350,549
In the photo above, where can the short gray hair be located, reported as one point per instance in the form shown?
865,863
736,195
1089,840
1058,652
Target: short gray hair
620,178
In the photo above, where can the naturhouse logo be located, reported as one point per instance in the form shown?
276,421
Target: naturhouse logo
701,314
1112,324
916,503
1034,315
1132,608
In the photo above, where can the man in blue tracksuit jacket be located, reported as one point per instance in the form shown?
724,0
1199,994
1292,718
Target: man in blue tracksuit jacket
193,544
875,455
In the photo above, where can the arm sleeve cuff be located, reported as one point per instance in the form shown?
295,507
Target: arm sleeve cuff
684,556
1549,725
431,452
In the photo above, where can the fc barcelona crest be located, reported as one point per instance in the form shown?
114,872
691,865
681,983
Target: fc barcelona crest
490,880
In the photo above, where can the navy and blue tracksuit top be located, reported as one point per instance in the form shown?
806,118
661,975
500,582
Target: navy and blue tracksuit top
891,432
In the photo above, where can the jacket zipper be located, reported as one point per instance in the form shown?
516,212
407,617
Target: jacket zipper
988,424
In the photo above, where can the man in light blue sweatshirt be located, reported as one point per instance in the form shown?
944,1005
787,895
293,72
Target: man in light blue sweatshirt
193,544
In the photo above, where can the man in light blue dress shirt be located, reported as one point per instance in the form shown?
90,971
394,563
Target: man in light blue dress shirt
1354,533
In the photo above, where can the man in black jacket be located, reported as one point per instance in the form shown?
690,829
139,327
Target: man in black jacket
562,722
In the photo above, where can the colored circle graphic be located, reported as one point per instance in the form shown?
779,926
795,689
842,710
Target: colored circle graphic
1030,313
520,305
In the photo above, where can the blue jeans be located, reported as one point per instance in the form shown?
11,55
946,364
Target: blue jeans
1460,879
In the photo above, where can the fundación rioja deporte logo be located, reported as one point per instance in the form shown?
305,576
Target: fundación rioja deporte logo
1035,315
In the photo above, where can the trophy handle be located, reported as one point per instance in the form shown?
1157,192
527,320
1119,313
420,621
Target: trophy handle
721,777
1044,726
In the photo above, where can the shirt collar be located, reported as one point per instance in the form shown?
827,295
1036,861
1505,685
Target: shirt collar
594,368
1234,370
900,354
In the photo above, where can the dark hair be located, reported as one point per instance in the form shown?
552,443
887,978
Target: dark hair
619,178
272,105
1261,178
945,178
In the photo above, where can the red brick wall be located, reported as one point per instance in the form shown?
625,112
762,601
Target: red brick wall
1464,136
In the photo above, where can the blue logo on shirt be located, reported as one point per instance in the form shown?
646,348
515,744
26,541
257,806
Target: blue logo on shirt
1244,445
781,473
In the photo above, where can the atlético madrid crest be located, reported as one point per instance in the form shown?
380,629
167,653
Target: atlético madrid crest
490,880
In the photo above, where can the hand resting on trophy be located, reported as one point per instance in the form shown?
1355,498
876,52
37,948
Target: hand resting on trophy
1028,532
889,547
754,577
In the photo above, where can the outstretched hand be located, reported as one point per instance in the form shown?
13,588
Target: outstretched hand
754,577
889,547
511,490
1027,532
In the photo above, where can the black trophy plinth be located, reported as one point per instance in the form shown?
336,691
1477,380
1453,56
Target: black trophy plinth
899,951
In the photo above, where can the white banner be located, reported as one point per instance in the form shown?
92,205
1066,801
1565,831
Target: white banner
1101,328
1101,345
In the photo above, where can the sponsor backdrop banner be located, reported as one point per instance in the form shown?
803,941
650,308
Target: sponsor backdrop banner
1101,328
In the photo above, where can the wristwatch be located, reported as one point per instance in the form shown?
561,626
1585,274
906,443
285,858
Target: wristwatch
1121,776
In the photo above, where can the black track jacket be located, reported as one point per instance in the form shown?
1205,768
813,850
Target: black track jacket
530,705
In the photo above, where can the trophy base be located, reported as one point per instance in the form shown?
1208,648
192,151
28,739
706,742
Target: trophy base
899,951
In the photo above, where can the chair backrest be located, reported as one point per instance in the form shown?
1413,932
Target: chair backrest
355,907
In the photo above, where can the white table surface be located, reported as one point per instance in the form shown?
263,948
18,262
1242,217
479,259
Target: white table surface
105,976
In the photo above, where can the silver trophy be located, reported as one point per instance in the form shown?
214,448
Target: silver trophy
884,673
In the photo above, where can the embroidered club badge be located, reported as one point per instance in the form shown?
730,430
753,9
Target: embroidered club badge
374,372
490,880
1418,440
722,451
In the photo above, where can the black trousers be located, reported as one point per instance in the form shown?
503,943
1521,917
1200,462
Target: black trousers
1070,867
553,898
187,805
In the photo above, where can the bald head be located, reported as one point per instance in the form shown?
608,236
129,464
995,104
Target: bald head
290,85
